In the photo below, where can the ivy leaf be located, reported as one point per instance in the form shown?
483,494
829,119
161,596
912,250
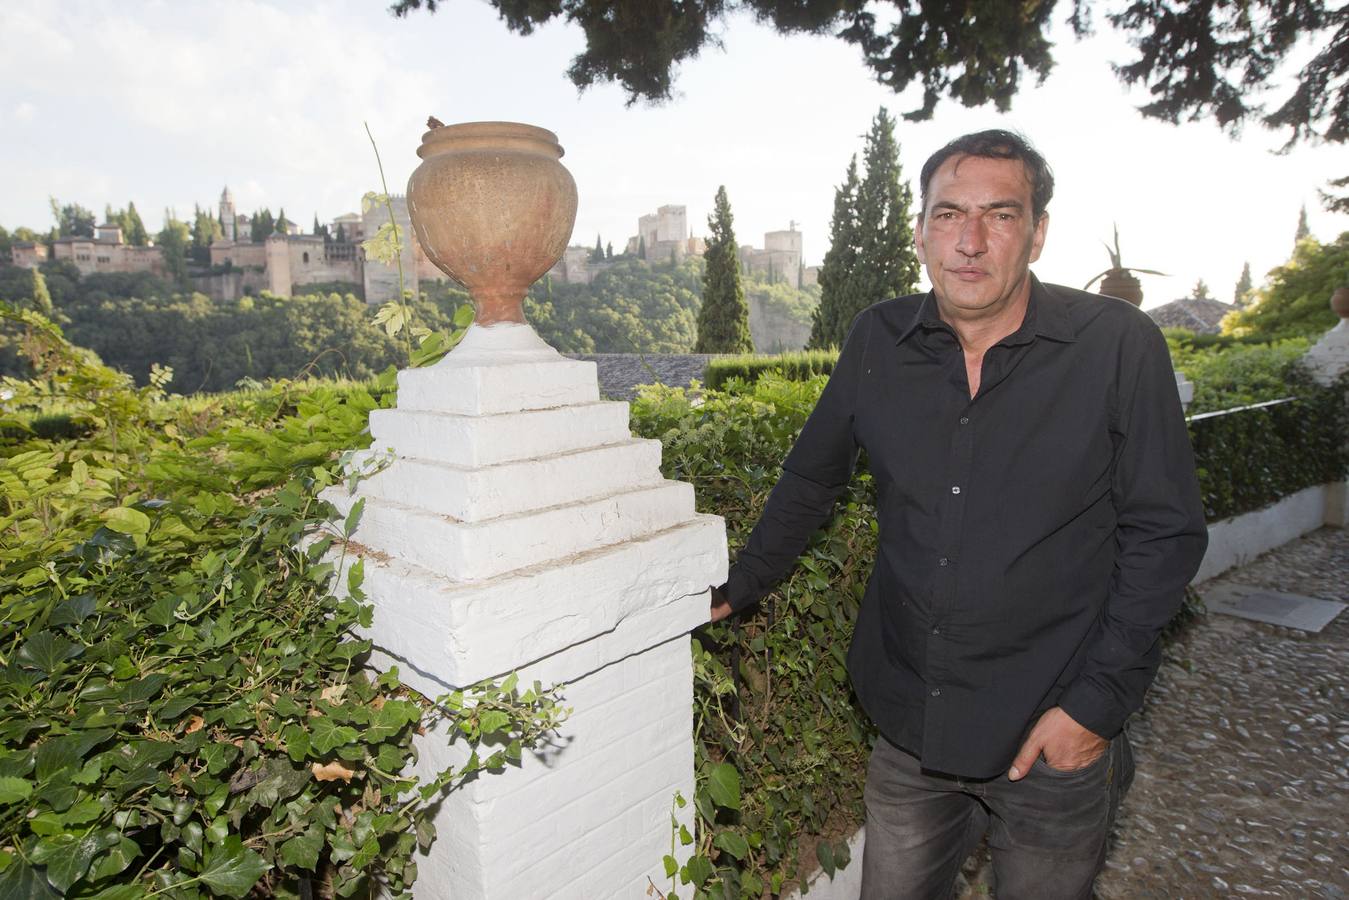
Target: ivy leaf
723,783
825,854
125,520
66,857
733,843
19,880
697,870
233,869
303,850
325,735
45,651
73,611
353,518
14,789
122,854
492,720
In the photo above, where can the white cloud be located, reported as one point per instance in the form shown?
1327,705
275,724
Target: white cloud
24,111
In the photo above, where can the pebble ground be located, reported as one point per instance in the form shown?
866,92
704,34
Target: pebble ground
1243,753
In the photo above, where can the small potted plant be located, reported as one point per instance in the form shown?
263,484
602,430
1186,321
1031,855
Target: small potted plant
1118,280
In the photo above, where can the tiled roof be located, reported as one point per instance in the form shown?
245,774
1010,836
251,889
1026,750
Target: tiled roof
1200,316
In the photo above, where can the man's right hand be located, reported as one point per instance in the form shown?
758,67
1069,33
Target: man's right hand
721,607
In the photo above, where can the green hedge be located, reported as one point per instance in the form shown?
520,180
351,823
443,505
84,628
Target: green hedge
1251,456
781,749
749,367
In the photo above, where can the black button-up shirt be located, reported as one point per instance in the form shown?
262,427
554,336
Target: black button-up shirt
1034,539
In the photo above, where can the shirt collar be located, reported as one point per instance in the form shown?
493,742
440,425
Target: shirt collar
1045,317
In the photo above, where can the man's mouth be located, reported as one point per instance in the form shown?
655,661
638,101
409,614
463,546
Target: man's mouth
968,272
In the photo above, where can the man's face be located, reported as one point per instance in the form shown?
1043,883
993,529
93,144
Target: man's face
978,235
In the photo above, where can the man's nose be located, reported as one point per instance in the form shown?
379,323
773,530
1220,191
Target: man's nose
973,238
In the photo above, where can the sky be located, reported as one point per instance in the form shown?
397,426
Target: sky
166,103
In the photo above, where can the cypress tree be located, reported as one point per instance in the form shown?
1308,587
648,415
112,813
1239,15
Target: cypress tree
641,247
1303,231
1243,290
42,298
838,263
879,261
597,255
723,320
134,232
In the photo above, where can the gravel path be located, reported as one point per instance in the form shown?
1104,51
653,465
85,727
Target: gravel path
1243,753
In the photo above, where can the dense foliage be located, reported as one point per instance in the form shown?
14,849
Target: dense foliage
793,366
633,307
1295,298
135,321
723,316
781,751
1232,374
1196,59
182,707
1250,457
871,254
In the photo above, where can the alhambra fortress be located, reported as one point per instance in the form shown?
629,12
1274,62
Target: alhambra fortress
288,260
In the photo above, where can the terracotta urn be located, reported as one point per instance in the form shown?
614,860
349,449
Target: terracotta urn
1339,301
1123,284
493,208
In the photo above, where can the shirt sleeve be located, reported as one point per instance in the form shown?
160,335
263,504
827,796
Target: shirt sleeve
1160,538
814,474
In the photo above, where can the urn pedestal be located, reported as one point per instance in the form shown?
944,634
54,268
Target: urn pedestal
518,526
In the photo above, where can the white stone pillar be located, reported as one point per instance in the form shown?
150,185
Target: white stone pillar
521,527
1185,387
1327,360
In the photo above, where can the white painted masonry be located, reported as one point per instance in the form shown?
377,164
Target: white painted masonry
1240,539
520,527
1329,357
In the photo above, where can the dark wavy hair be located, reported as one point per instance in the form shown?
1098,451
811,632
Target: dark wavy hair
997,144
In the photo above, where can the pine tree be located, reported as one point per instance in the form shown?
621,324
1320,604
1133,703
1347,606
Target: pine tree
1200,291
723,320
1241,296
1302,230
871,255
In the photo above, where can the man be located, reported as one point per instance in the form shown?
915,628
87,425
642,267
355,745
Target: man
1039,521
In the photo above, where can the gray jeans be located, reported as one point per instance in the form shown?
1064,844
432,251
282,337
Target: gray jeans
1047,831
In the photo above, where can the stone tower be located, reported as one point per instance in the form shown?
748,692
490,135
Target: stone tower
227,222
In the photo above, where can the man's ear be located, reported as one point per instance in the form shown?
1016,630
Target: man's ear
918,240
1037,241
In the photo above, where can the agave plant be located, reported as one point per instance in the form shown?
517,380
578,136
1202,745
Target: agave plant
1118,280
1116,265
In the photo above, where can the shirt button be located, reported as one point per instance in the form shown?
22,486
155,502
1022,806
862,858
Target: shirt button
936,692
943,562
936,629
964,420
955,490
